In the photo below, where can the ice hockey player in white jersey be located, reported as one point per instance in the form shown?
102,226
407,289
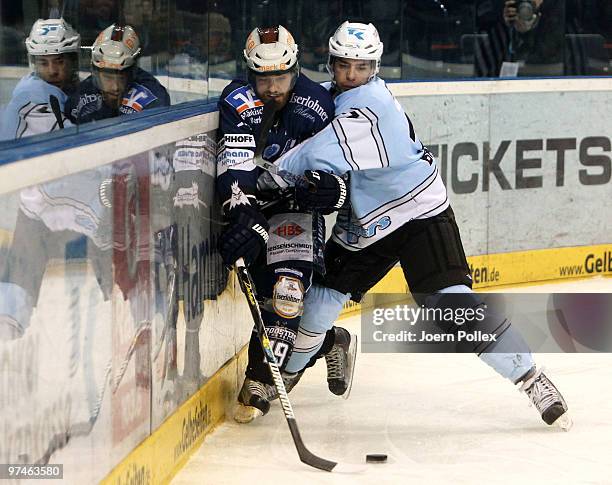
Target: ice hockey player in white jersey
53,47
397,210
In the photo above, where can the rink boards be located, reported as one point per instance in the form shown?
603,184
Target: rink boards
528,172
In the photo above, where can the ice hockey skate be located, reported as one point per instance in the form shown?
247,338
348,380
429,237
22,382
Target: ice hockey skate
547,399
290,379
340,362
253,400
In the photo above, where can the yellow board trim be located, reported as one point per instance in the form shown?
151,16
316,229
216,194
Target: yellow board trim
520,267
161,456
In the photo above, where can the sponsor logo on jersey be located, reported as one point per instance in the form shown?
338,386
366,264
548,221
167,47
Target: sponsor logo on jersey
243,98
271,150
83,107
238,196
288,297
238,140
288,230
355,232
137,98
310,103
236,160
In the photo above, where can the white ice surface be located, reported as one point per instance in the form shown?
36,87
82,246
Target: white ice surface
440,418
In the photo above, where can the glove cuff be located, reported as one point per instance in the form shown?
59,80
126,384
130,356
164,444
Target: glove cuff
342,192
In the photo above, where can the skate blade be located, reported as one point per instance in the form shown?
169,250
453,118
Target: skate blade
564,422
351,365
245,414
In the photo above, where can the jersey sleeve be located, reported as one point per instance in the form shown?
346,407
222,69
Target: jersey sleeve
370,132
352,141
30,113
236,171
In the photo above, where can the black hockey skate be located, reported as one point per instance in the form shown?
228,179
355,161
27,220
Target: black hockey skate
340,362
547,399
291,379
253,400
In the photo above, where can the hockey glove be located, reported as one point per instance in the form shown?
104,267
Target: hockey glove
246,236
325,192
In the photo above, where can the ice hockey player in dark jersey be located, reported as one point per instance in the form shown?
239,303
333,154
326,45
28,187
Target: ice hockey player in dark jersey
117,85
282,245
397,211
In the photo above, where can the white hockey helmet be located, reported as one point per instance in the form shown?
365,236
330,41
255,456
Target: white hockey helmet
52,36
354,40
116,48
271,50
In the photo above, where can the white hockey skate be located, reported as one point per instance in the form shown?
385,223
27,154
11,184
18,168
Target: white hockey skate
340,362
253,400
547,399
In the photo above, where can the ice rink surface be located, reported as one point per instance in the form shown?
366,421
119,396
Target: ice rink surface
440,418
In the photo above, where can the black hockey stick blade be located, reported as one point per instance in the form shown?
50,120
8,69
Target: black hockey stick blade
309,458
306,456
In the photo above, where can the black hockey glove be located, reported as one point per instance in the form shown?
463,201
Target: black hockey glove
325,192
246,236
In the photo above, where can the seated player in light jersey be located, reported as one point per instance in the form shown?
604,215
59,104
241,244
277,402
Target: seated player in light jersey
397,211
117,85
53,54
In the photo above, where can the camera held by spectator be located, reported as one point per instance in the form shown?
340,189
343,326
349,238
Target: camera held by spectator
523,15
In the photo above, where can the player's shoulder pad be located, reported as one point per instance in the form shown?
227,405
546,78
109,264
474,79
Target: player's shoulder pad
314,96
239,96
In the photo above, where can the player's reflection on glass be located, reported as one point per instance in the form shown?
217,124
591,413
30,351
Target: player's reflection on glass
66,220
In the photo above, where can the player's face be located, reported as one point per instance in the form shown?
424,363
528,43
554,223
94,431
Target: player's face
352,73
55,69
112,85
274,87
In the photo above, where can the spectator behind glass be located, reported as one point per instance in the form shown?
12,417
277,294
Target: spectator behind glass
202,46
315,33
526,41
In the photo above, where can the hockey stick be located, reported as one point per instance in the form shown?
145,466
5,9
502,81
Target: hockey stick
57,112
306,456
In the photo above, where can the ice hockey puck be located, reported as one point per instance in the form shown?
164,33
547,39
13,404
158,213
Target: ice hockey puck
376,458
